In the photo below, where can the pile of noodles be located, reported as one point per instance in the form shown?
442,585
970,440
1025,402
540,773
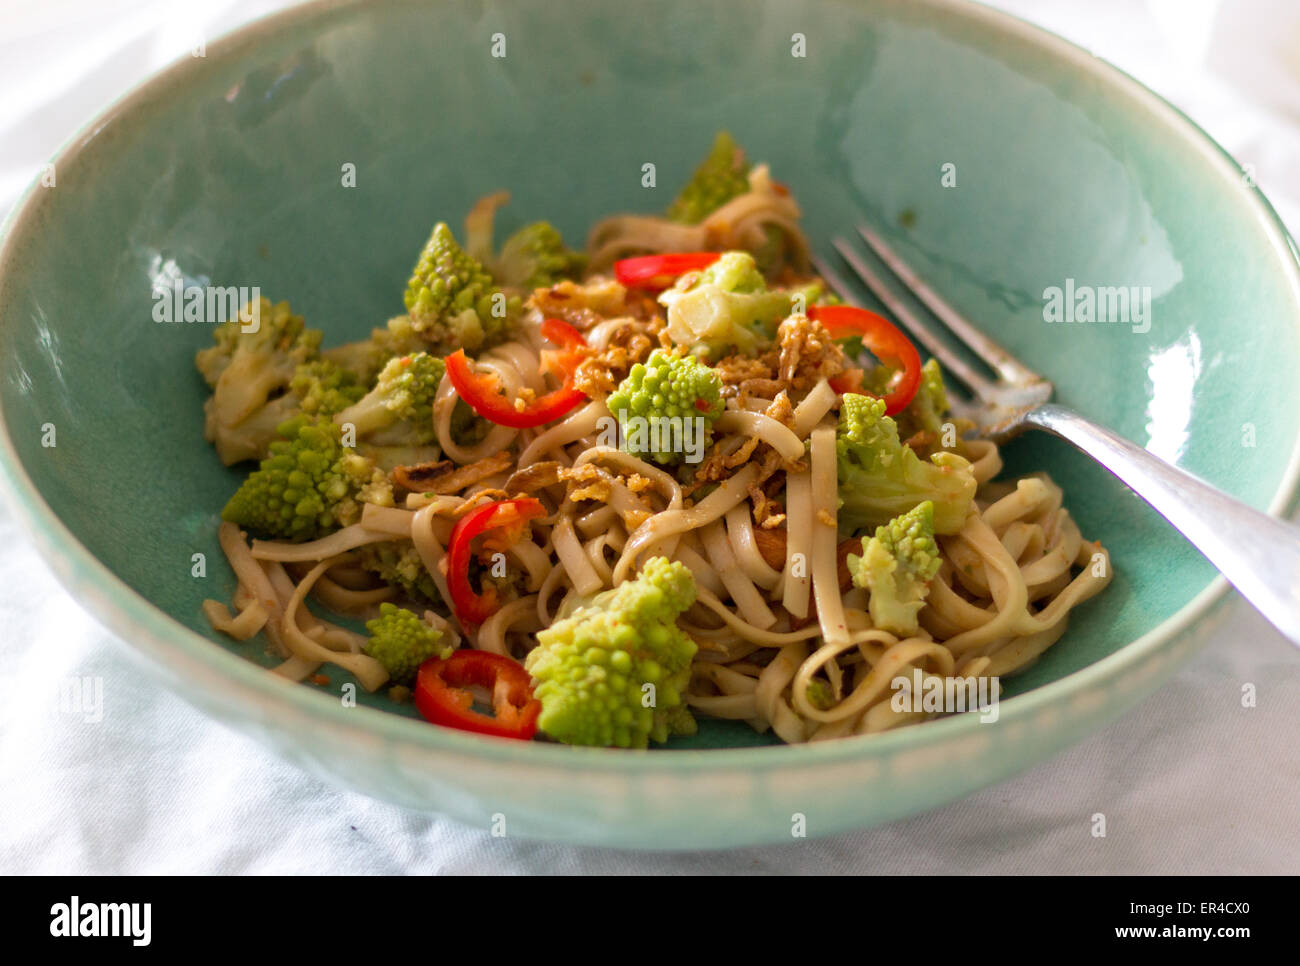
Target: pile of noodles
1008,581
743,223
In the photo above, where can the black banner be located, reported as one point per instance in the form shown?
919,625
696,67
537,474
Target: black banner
140,915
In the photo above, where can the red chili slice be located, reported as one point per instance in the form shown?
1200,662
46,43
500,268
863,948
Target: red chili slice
482,391
441,694
510,517
884,340
564,361
657,272
850,380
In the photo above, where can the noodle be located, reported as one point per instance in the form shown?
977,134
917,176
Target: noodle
341,541
796,578
744,547
497,439
744,594
368,671
580,424
781,438
825,570
705,575
582,575
250,620
661,526
348,601
813,408
492,635
430,549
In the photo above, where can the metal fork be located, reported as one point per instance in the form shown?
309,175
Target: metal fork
1257,553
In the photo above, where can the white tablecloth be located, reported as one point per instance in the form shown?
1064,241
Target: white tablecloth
1189,782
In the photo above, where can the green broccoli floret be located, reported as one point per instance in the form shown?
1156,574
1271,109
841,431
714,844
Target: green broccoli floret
324,388
896,566
921,422
250,373
535,257
665,387
265,355
251,438
364,359
930,404
593,670
393,423
816,292
725,307
397,562
453,301
722,175
401,401
880,478
309,485
401,642
734,272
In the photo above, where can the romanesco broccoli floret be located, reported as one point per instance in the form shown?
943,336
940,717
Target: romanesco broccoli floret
535,256
880,478
323,388
401,642
669,388
309,485
612,673
897,566
397,562
251,368
727,307
722,175
453,301
921,423
399,409
266,341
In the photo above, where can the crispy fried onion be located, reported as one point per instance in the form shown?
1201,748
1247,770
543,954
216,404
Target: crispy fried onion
441,478
804,354
588,304
807,355
618,345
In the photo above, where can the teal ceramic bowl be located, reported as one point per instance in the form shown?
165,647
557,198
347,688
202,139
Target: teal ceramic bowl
227,168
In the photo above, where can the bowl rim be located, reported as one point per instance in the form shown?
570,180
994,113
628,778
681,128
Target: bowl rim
237,683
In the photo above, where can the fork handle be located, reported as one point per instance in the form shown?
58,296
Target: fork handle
1257,553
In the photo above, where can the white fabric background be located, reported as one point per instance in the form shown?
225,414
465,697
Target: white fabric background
1189,782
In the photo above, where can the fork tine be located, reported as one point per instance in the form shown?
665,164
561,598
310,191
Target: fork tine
999,359
951,362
